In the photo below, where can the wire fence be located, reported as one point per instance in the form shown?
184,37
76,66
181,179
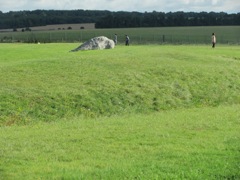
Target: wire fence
55,37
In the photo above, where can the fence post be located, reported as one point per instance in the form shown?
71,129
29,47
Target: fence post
81,37
50,38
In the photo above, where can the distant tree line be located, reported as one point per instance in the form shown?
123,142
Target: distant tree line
161,19
23,19
120,19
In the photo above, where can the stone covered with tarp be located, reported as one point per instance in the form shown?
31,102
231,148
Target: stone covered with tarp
95,43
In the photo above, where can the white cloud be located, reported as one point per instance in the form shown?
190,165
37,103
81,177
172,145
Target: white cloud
185,1
230,6
214,2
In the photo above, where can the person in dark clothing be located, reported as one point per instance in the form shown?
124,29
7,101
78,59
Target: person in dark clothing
115,39
127,40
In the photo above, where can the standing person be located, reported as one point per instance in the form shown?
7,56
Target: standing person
127,40
213,40
115,39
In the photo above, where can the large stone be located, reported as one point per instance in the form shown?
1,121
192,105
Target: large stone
100,42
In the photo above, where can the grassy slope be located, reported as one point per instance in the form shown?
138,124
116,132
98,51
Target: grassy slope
191,95
46,82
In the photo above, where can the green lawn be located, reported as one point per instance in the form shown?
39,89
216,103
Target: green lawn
198,143
47,82
137,112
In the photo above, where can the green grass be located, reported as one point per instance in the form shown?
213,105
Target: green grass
137,112
200,143
173,35
46,82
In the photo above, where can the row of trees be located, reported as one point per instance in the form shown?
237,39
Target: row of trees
22,19
121,19
161,19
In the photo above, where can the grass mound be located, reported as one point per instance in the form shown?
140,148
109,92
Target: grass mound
174,112
42,84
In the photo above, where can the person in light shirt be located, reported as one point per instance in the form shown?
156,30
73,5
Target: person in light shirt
213,40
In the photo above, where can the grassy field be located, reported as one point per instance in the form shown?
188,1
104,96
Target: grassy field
137,112
170,35
199,143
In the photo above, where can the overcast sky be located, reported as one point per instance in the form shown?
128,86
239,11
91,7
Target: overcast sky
228,6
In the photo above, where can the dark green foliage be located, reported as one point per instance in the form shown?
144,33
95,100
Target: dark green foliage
121,19
161,19
22,19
